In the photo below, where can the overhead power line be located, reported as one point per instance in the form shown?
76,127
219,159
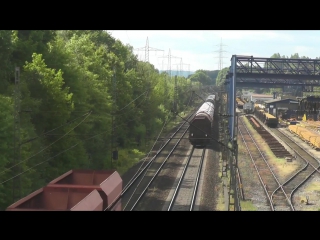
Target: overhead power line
147,49
220,56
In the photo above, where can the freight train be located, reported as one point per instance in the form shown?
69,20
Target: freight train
201,124
267,118
239,103
248,107
211,98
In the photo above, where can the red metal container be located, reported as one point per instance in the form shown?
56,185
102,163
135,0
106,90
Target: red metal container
107,182
55,198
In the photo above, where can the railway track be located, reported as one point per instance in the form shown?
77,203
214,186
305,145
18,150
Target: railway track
184,196
133,193
310,167
276,196
278,149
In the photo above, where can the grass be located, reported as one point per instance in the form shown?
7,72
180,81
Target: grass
247,206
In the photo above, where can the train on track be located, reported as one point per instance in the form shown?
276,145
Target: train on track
248,107
267,118
200,130
239,103
211,98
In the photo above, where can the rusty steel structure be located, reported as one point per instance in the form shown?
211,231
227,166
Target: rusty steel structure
76,190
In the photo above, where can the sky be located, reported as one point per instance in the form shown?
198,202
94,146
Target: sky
191,50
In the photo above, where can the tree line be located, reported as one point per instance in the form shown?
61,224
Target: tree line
81,96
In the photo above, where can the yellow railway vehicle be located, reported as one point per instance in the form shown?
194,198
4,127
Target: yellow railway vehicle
239,103
260,115
307,135
270,120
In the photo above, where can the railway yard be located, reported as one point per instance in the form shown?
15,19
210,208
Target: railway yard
292,183
278,171
92,126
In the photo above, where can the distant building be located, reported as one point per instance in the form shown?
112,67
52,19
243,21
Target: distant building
277,106
246,96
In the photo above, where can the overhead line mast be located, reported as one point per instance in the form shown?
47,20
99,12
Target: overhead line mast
220,51
147,49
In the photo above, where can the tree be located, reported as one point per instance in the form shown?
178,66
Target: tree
222,76
201,77
6,149
7,68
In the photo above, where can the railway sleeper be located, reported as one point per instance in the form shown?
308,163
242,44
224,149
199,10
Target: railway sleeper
280,151
282,156
268,136
275,145
278,148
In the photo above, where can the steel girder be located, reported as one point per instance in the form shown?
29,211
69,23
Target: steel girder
252,71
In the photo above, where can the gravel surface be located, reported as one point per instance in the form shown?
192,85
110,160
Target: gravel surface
159,190
212,184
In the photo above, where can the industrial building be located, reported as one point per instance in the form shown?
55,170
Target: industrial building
286,108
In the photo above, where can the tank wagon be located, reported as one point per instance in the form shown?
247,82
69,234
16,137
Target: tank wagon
200,130
211,98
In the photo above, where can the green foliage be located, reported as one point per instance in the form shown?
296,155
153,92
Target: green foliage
213,75
127,159
64,75
222,76
27,42
6,148
202,77
5,65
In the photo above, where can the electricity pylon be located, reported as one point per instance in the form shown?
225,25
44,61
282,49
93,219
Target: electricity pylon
169,56
220,51
147,49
